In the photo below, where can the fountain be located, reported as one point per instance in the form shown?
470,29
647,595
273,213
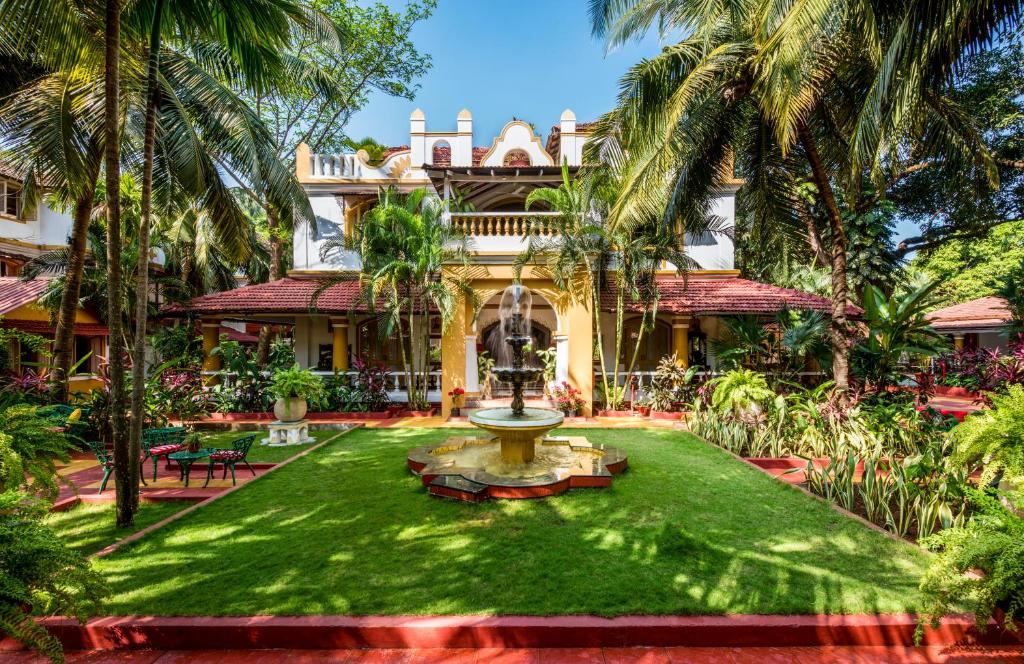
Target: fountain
507,464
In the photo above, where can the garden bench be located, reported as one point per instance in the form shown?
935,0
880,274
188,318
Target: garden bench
105,458
163,442
229,457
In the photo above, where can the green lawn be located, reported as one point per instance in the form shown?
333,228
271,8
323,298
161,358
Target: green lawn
348,530
263,453
89,527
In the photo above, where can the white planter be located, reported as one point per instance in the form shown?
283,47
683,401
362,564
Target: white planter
290,410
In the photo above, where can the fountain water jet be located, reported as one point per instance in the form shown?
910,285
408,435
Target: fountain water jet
471,469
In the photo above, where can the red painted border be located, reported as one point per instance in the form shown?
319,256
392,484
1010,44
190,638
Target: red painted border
311,416
325,632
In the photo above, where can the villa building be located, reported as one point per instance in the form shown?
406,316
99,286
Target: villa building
494,178
980,323
24,235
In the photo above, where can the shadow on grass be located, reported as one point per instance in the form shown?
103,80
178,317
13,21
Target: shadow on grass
348,530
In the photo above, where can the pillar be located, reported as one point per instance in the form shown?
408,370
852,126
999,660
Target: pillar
302,165
339,353
472,372
681,340
211,339
561,357
453,354
581,352
958,341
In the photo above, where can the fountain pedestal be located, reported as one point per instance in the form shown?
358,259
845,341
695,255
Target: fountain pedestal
518,433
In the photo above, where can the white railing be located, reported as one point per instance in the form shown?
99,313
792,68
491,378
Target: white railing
335,165
397,381
505,224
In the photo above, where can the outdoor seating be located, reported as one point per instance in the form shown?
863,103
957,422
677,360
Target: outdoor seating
230,457
105,458
163,442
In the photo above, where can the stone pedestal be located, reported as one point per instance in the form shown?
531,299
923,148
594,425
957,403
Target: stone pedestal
288,433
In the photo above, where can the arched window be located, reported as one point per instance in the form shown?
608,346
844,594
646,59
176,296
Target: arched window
516,158
370,346
441,154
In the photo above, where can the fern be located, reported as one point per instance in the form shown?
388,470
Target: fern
994,439
979,566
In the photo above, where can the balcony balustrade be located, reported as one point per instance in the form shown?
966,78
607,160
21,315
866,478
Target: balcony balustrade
506,224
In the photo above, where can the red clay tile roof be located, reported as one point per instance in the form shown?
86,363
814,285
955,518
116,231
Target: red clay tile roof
284,296
442,155
988,311
724,295
394,149
15,293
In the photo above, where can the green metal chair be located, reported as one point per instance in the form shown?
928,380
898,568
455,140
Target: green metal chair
158,443
105,458
229,457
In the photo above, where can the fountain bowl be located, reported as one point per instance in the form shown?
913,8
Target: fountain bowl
518,433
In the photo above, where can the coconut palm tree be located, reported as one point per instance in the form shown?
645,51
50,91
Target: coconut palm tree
777,89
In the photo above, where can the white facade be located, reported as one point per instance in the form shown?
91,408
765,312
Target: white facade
502,171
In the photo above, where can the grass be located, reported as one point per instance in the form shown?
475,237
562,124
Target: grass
264,453
348,530
89,527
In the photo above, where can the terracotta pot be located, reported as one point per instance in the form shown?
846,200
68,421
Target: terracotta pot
643,410
290,410
666,415
422,413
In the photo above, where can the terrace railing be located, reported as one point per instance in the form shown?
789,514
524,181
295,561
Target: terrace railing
505,224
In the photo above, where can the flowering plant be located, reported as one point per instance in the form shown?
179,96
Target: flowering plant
456,394
567,398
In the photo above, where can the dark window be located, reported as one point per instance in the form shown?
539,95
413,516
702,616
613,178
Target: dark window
12,199
325,357
83,346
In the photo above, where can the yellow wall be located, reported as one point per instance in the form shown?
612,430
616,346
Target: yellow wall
38,314
574,319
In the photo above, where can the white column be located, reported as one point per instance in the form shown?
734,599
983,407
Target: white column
561,358
472,375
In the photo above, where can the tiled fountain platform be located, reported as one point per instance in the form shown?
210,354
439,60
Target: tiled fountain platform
593,466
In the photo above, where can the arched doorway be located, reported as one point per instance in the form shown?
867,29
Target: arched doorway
543,322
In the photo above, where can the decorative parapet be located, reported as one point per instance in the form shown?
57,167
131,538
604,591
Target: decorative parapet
505,224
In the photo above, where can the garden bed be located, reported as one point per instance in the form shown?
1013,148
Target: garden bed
311,416
687,530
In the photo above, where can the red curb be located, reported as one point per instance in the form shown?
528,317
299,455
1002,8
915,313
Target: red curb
327,632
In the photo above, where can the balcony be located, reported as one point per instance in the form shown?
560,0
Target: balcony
517,225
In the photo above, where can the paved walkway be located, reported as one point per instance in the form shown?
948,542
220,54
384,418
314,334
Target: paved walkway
85,474
831,655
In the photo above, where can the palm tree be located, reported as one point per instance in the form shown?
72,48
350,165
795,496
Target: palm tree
777,89
413,262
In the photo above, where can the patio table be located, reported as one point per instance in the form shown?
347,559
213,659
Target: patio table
185,460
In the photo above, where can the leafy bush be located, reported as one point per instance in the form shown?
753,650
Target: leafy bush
179,346
994,439
983,369
174,392
567,398
296,383
38,573
979,566
671,385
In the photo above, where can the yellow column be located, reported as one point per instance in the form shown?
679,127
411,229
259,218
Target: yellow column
581,352
453,355
211,339
958,341
681,340
340,353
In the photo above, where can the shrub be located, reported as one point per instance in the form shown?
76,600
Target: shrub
994,438
296,383
567,398
979,566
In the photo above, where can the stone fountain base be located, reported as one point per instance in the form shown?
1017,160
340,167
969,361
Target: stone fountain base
473,468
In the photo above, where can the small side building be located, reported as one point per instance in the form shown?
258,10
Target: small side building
980,323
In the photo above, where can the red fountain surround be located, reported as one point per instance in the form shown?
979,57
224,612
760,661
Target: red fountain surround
518,459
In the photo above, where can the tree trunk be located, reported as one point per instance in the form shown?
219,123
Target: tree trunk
273,224
142,271
837,328
122,462
64,337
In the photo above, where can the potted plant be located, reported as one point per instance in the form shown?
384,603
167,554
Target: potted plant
292,387
670,386
457,395
193,442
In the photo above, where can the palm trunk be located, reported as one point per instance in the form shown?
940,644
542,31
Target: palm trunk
142,273
620,302
595,304
122,462
273,223
837,328
64,337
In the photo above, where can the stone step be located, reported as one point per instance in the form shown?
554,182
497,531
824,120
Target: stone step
457,487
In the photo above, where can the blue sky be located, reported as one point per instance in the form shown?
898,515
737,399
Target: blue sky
530,59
